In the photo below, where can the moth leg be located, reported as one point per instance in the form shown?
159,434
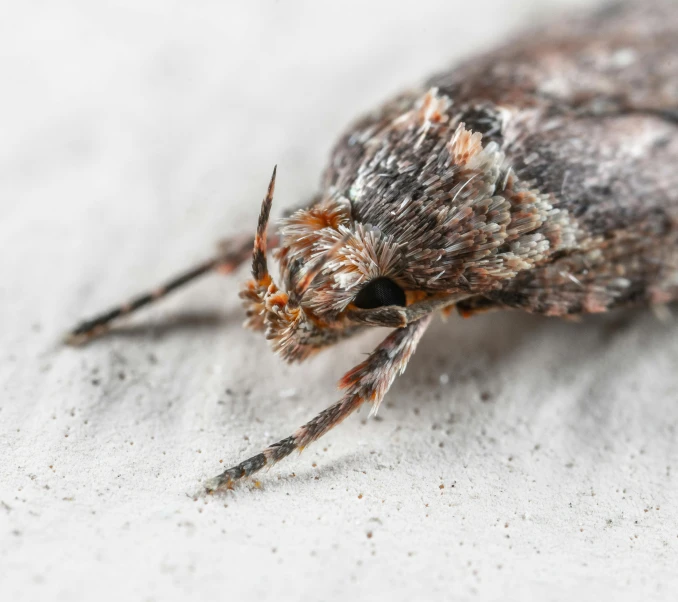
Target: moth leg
368,381
232,253
474,305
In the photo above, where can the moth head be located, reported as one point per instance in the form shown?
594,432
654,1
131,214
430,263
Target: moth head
339,277
417,213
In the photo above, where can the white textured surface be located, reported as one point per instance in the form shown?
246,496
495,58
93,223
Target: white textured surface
132,139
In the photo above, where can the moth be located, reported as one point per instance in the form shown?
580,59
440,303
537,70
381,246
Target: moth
541,176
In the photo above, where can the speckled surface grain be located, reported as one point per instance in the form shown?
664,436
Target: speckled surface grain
518,458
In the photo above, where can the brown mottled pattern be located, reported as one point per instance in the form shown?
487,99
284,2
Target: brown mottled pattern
585,113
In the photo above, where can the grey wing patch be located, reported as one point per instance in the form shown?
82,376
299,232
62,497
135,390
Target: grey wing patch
621,58
611,173
670,114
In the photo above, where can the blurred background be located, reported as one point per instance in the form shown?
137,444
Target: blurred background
518,458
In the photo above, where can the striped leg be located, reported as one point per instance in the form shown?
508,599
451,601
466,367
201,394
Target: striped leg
233,253
368,381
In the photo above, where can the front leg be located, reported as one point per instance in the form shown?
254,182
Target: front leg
368,381
232,253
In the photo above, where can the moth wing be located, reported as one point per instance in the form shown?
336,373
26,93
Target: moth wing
590,117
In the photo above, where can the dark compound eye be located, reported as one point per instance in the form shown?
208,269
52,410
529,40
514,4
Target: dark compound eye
379,293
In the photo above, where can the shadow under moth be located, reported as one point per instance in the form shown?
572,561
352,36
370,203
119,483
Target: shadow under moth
541,176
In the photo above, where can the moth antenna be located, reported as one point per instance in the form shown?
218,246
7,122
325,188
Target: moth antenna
315,268
259,264
368,381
